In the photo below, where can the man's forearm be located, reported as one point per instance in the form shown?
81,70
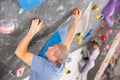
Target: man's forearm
71,34
23,45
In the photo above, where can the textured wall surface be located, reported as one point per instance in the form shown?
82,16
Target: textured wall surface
54,14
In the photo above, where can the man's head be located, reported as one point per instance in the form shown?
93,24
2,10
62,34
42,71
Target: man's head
95,44
58,53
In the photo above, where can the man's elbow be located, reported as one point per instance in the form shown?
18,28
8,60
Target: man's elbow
19,53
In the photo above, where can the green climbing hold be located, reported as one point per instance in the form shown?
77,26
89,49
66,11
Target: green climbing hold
68,71
20,11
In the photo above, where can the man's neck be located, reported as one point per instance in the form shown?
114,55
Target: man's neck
57,64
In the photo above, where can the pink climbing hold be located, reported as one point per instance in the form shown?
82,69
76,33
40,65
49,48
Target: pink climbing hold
110,31
6,28
20,71
103,37
106,47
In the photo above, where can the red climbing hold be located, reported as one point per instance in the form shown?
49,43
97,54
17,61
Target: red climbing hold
101,27
103,37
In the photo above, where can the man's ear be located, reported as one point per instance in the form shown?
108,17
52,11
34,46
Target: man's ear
54,56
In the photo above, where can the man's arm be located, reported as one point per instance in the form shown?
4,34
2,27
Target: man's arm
21,50
71,33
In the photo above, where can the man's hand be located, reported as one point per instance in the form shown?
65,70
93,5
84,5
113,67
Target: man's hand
77,15
36,26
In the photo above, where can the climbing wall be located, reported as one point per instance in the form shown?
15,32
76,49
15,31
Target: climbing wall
105,44
54,14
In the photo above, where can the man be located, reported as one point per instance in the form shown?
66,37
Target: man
50,68
91,62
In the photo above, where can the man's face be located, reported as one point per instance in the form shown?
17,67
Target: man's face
50,53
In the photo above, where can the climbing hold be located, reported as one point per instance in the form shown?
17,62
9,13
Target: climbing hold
106,47
103,37
102,17
6,27
69,60
20,11
79,34
65,70
88,34
20,71
68,72
97,16
101,26
110,9
95,7
76,11
79,41
110,31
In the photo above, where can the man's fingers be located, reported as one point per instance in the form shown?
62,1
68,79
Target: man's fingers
35,21
41,25
38,23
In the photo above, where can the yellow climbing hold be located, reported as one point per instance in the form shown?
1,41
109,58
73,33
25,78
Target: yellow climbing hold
79,41
97,16
65,70
95,7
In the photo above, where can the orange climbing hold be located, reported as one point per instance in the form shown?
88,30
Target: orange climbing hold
76,11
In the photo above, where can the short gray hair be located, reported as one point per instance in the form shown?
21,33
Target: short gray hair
62,50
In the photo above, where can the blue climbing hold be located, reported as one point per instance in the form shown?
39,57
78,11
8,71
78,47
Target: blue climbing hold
88,35
28,5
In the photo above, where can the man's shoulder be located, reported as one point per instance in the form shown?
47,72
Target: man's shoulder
39,59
